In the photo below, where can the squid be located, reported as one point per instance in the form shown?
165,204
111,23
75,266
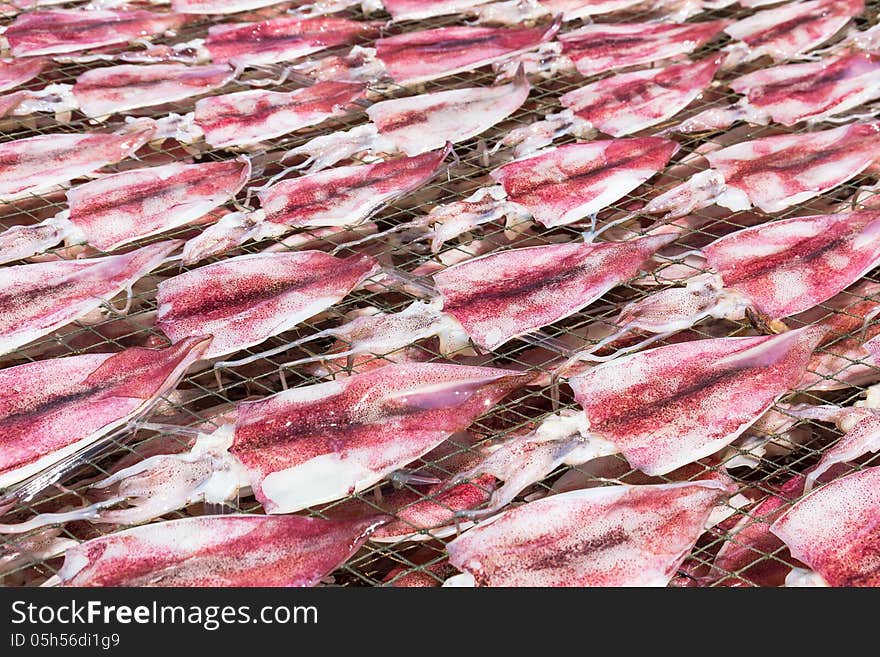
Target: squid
607,536
770,271
413,58
501,296
834,531
791,93
601,47
669,406
38,298
15,72
72,30
110,90
630,102
842,359
418,124
246,118
343,196
773,173
36,165
52,409
788,30
418,57
495,298
230,550
121,208
247,299
281,39
305,446
562,185
512,12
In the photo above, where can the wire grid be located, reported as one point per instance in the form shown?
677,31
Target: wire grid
198,401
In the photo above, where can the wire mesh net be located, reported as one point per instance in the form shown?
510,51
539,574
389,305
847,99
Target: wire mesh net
199,401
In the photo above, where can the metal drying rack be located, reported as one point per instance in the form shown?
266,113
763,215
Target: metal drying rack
198,395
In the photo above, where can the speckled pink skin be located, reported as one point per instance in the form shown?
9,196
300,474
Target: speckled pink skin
862,438
604,47
842,360
411,10
281,39
745,554
323,442
835,530
666,407
39,164
794,27
218,6
71,30
500,296
38,298
797,92
630,102
565,184
124,207
418,124
416,57
49,409
788,266
775,173
248,117
240,550
14,72
347,196
607,536
115,89
247,299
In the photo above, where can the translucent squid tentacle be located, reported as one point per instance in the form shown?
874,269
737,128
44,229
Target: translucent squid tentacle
91,512
229,364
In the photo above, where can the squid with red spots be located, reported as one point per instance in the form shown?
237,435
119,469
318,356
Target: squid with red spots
110,90
306,446
74,30
413,58
51,409
36,165
281,39
496,298
15,72
513,12
417,57
607,536
247,299
566,184
774,173
234,550
631,102
771,271
789,94
835,531
671,405
789,30
121,208
604,47
417,124
343,196
38,298
245,118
